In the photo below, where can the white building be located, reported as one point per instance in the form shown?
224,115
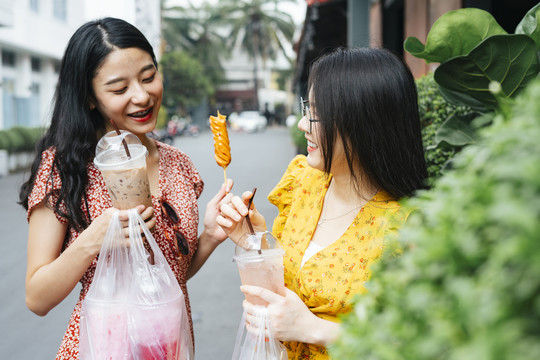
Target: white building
33,36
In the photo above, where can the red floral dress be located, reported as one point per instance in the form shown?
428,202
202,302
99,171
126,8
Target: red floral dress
179,184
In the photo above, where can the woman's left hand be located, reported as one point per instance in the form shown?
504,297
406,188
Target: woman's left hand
289,318
211,227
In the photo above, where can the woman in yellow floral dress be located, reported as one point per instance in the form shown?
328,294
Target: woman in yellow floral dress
339,204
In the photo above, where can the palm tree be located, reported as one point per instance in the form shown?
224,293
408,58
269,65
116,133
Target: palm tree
194,29
260,28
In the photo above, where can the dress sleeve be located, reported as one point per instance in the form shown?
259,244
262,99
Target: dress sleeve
193,174
282,195
46,185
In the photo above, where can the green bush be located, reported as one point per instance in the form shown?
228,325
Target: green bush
298,137
468,283
4,140
18,138
434,111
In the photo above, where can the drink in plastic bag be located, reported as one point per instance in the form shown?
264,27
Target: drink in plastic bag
158,331
260,263
106,332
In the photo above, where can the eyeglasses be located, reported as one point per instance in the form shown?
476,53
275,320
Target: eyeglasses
306,113
182,246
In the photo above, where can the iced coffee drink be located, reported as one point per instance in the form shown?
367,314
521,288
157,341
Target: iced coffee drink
125,176
128,187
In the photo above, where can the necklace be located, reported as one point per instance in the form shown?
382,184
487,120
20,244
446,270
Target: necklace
325,219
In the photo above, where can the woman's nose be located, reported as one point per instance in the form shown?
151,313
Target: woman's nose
140,95
303,124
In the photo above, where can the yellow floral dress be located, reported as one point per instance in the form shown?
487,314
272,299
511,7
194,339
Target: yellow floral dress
330,279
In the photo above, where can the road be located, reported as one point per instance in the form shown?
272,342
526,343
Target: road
257,160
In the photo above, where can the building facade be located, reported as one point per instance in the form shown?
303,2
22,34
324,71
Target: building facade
32,39
33,36
385,24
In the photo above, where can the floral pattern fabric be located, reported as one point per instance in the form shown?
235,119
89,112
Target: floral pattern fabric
330,279
179,184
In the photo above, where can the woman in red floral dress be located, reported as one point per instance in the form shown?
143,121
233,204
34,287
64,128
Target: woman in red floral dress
109,71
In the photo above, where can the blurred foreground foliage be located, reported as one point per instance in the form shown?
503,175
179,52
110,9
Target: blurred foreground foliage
468,283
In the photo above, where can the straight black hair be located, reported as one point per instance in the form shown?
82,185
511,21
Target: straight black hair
368,97
74,127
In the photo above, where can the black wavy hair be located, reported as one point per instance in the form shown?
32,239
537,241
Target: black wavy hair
74,127
368,97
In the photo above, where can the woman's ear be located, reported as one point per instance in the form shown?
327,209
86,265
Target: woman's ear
92,105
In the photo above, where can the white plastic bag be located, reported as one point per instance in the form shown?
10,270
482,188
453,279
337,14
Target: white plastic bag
259,345
134,310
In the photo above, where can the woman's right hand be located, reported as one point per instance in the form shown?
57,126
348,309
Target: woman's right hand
98,228
52,272
232,217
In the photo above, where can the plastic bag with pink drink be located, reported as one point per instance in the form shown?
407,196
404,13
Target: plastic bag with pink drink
134,309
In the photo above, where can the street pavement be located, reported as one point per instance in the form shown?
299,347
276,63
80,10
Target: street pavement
258,160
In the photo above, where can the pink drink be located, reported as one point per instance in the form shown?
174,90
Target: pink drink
264,270
107,331
162,331
160,351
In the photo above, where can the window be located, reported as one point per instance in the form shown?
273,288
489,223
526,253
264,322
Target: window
57,65
35,89
60,9
34,5
36,64
8,58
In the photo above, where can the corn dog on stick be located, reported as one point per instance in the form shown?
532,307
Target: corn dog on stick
222,149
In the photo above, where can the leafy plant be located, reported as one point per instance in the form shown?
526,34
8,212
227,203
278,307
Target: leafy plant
474,51
434,111
298,137
468,283
184,81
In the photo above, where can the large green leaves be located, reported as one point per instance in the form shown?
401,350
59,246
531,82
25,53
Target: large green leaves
457,131
508,59
529,25
454,34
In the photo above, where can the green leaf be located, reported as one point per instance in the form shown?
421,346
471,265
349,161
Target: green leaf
456,130
455,33
462,99
509,59
414,46
529,25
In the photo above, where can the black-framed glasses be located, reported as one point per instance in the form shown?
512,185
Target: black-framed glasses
304,105
181,246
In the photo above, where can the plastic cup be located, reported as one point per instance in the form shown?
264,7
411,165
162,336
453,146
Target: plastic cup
260,263
125,177
104,331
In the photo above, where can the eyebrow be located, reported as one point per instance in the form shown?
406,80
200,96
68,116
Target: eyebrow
115,80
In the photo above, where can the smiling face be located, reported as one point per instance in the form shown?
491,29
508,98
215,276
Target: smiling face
128,89
314,138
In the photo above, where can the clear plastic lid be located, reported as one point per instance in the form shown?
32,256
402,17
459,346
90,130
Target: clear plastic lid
258,245
110,150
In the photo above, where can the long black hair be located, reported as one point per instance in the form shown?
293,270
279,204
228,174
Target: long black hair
74,127
368,97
